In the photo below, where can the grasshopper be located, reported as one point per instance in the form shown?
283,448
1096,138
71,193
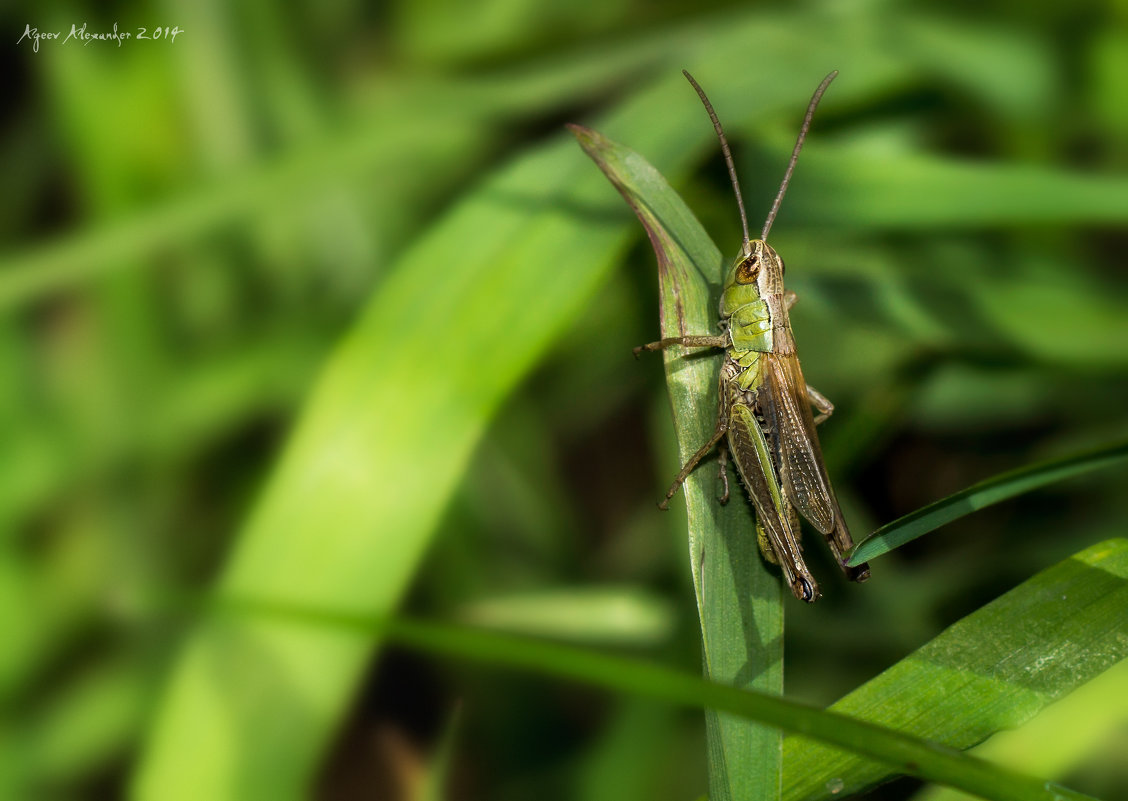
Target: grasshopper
764,406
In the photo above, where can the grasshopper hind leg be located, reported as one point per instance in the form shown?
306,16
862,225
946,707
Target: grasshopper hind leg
859,574
841,543
805,590
765,542
801,587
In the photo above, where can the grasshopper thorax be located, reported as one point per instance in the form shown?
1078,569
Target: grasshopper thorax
758,264
752,302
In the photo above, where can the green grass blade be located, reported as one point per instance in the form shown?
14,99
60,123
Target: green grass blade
994,669
739,600
981,495
901,752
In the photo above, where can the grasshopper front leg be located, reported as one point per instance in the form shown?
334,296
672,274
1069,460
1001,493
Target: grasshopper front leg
702,452
699,341
695,341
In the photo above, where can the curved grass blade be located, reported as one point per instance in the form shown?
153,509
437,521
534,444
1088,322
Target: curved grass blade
981,495
739,600
995,669
341,521
898,751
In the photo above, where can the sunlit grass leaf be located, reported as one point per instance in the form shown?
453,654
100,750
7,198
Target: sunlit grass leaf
375,456
981,495
992,670
741,613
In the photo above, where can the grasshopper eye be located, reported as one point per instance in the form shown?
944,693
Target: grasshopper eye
748,269
782,267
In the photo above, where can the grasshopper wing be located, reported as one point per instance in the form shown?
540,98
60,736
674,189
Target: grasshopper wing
802,472
754,460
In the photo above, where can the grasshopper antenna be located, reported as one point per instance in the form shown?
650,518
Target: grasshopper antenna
815,98
727,152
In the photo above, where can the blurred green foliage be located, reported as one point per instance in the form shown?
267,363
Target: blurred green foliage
319,302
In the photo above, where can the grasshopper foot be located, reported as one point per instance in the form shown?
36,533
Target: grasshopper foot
859,574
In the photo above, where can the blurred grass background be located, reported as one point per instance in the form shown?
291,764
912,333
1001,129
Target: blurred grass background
320,302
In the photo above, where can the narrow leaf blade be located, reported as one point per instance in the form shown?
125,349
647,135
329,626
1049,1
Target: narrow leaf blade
979,496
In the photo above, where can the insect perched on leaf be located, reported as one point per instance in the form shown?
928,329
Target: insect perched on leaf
764,409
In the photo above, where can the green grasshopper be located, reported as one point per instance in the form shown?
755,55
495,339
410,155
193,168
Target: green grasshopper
764,402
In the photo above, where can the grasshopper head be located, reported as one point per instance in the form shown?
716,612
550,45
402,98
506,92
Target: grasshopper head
759,268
